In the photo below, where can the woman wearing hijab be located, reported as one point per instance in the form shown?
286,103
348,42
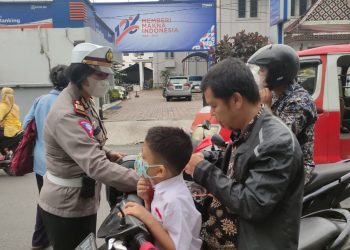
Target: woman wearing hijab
10,125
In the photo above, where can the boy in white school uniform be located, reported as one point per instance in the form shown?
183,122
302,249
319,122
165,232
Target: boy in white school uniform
169,213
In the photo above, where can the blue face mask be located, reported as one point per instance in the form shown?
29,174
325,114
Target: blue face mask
142,167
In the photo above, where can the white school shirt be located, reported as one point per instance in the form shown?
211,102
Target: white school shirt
174,208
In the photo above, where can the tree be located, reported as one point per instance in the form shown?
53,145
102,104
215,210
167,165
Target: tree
118,73
164,75
241,46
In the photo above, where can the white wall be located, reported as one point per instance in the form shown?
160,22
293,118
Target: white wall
229,23
129,59
26,54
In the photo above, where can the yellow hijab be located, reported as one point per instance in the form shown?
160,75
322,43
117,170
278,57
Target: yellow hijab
7,96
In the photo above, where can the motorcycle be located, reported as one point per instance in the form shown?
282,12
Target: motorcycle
123,232
320,230
6,153
325,230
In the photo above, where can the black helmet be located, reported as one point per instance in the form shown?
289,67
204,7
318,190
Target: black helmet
58,77
281,62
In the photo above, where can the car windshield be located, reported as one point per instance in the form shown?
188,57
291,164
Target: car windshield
178,80
307,77
195,78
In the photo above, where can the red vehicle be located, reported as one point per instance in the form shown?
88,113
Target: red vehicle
325,73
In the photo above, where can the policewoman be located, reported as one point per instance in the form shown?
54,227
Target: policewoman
76,158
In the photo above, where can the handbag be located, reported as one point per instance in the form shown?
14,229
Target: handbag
23,159
2,128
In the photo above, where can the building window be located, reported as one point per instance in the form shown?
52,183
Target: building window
292,8
169,54
302,7
253,8
126,54
241,8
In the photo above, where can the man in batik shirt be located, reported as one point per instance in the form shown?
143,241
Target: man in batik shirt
279,65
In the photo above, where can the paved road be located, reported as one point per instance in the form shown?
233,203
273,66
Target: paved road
127,125
18,197
128,122
151,106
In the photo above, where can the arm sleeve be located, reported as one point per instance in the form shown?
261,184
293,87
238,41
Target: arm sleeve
295,117
177,227
30,116
87,153
264,187
4,109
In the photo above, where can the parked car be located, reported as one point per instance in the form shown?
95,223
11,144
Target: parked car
177,87
195,82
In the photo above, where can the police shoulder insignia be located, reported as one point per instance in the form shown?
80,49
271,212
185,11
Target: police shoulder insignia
79,108
86,125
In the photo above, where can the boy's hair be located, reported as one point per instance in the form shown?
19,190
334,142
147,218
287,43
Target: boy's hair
172,145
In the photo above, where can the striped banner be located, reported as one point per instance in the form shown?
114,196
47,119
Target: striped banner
77,11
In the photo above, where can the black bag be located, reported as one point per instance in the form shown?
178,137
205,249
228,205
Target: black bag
2,132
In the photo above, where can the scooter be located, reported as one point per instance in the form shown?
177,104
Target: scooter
327,188
6,153
324,229
5,162
120,231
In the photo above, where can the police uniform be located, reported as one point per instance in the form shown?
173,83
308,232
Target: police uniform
74,140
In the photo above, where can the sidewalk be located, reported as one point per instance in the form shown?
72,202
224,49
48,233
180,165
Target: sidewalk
127,122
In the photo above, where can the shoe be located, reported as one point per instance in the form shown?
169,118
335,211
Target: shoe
344,130
42,247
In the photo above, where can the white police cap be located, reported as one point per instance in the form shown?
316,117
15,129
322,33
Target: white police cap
98,57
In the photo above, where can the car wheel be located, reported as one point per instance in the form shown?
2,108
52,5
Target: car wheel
168,99
189,98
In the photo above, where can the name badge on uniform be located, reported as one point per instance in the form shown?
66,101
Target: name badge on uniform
86,125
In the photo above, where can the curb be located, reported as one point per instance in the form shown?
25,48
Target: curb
110,105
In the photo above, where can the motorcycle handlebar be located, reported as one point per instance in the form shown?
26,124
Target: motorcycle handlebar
141,241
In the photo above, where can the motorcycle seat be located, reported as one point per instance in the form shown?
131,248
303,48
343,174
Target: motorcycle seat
316,232
326,173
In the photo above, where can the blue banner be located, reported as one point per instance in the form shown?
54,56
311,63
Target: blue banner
275,12
156,27
25,15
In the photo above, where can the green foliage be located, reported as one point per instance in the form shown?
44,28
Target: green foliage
118,73
113,95
241,46
164,75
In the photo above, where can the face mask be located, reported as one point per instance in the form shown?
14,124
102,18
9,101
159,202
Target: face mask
97,88
142,167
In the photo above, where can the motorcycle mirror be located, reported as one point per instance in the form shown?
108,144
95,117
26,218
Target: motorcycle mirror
206,124
218,140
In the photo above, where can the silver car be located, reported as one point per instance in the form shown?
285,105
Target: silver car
195,82
178,87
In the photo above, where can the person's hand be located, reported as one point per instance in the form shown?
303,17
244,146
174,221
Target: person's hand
145,190
134,209
192,164
115,156
266,97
